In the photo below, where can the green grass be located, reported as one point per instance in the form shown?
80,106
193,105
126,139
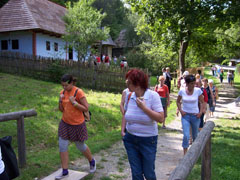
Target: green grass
237,82
225,151
21,93
225,146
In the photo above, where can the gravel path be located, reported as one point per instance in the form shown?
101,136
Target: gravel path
112,164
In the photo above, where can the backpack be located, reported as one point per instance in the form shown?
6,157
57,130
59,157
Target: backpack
9,157
87,115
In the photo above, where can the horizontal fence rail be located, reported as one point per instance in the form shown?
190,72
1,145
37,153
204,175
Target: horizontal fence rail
98,77
201,146
19,116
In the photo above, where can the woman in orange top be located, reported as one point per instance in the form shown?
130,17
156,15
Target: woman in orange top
163,92
72,104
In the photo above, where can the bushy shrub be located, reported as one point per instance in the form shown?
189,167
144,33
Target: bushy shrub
55,71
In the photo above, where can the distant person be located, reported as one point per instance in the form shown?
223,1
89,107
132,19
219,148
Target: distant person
106,60
187,103
142,114
72,127
215,96
205,100
211,101
168,79
214,70
98,59
200,73
164,72
197,76
124,63
181,84
103,58
115,60
181,81
233,77
162,90
230,77
220,75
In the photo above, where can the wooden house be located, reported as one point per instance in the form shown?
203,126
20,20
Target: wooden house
34,27
234,62
107,47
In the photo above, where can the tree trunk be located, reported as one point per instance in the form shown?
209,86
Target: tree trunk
182,52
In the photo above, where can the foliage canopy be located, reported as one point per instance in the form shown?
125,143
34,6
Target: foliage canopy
83,26
175,22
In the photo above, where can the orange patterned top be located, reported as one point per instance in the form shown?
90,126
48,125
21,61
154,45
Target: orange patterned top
71,115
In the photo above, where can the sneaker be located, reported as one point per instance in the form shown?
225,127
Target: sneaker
92,166
61,176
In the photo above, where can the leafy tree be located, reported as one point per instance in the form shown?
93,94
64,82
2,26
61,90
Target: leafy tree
175,22
132,37
228,41
83,26
115,15
148,55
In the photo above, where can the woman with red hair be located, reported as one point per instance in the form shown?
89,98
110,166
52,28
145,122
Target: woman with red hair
142,113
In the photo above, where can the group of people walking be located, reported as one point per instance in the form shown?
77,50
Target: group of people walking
196,102
142,109
219,72
107,60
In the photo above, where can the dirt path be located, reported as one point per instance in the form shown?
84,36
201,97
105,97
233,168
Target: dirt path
112,164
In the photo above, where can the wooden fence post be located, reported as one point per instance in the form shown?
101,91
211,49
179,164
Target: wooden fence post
21,142
206,161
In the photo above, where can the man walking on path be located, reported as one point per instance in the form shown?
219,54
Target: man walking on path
168,78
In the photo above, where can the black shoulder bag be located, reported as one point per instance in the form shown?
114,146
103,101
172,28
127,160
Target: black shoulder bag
9,157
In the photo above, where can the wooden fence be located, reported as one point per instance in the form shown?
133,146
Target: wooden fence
19,116
100,77
201,146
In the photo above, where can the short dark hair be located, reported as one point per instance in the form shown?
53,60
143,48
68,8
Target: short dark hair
189,78
138,78
67,78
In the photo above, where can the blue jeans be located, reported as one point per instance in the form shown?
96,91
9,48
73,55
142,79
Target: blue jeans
187,121
141,153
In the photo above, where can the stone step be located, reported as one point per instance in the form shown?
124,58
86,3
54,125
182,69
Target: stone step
73,175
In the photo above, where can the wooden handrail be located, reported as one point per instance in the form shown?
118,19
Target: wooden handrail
200,146
19,116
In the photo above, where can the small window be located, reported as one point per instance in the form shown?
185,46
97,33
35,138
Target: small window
55,46
15,44
48,46
4,44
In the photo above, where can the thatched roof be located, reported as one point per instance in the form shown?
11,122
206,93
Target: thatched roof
121,40
109,41
32,14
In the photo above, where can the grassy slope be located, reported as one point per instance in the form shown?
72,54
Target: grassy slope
20,93
225,147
